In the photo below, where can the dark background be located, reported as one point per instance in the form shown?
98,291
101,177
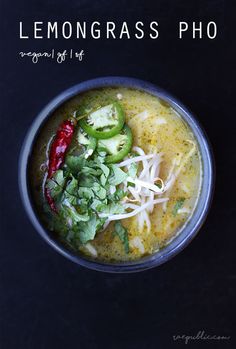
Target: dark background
45,300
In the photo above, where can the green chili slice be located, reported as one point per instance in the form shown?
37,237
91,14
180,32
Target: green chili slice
86,140
104,122
118,146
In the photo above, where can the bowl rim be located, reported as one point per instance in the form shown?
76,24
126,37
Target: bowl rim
179,242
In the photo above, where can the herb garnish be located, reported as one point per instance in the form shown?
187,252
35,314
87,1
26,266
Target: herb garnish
81,189
122,233
179,203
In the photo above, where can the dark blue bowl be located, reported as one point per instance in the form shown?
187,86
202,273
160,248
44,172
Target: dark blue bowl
191,228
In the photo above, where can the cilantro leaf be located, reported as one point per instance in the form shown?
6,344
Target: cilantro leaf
56,184
59,177
72,186
118,176
105,174
82,190
99,191
96,203
86,193
54,188
87,230
118,195
87,181
133,169
75,163
112,208
177,206
122,233
105,170
91,171
71,215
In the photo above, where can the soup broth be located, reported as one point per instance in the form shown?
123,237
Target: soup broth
157,129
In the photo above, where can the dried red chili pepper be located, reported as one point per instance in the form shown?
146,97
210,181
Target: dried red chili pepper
50,200
57,153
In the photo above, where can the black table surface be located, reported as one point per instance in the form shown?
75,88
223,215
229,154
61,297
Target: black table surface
45,300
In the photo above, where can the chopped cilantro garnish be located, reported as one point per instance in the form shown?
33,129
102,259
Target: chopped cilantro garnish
122,233
81,190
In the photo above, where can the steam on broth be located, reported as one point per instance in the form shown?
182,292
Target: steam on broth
115,207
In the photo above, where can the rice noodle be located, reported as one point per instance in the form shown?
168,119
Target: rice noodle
105,225
142,200
147,220
136,242
112,189
137,189
134,193
154,172
153,163
170,174
92,250
170,182
135,159
177,162
145,171
130,205
125,188
140,221
147,185
141,214
144,161
160,121
185,188
187,157
169,186
151,198
144,189
183,210
142,116
134,212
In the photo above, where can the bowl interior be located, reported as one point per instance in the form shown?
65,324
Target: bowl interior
189,230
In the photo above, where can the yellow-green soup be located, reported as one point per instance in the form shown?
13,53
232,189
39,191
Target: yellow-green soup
157,129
